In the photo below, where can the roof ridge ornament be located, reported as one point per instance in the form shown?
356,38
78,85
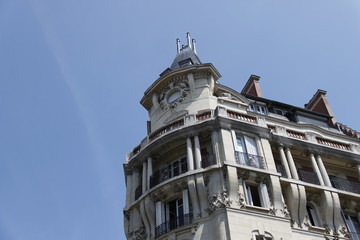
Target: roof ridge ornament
191,43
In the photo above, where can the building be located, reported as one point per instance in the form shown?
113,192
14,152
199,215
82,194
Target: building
220,164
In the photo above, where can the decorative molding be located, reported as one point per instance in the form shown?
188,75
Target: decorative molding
272,210
285,211
344,231
243,174
218,201
180,85
137,234
200,75
241,199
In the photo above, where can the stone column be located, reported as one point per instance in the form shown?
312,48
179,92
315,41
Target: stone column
316,169
323,171
358,167
144,178
135,183
291,164
129,189
197,152
284,161
190,159
149,171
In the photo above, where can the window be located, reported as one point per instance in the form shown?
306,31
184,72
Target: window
257,236
257,195
257,108
173,214
354,226
312,214
172,170
246,152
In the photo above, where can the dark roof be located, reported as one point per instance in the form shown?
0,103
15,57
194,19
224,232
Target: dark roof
186,55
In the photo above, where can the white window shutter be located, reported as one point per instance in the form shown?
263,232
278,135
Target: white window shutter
185,197
233,134
250,145
159,210
264,196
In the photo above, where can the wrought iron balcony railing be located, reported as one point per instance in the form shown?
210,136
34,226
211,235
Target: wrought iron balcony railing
208,160
281,169
249,160
172,224
345,185
168,172
309,177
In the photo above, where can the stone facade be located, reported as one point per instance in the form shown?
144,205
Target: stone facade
219,164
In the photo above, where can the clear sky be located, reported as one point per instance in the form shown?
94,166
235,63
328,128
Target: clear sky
72,73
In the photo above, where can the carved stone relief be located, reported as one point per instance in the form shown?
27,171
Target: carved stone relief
174,93
137,234
217,201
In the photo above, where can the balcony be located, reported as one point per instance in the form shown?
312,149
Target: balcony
172,170
207,160
172,224
345,185
309,177
249,160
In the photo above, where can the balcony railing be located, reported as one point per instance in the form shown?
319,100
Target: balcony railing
281,169
249,160
345,185
207,160
172,224
168,172
309,177
138,192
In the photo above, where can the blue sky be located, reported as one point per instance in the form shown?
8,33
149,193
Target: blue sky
72,74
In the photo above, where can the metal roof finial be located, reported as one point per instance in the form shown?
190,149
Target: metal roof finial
194,45
188,39
178,45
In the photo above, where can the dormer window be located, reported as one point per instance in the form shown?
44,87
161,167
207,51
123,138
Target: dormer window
257,108
185,62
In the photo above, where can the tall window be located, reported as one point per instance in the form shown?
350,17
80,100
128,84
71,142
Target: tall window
246,151
313,216
354,226
172,214
257,195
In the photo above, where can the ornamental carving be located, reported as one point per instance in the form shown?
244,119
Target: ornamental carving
173,94
217,201
178,186
243,174
137,234
285,211
343,230
199,75
241,199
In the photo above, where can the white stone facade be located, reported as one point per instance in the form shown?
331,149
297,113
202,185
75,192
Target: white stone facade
218,164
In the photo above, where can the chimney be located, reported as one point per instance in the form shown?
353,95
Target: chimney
252,86
318,103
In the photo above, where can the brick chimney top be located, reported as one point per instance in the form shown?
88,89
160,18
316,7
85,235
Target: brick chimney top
319,103
252,86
